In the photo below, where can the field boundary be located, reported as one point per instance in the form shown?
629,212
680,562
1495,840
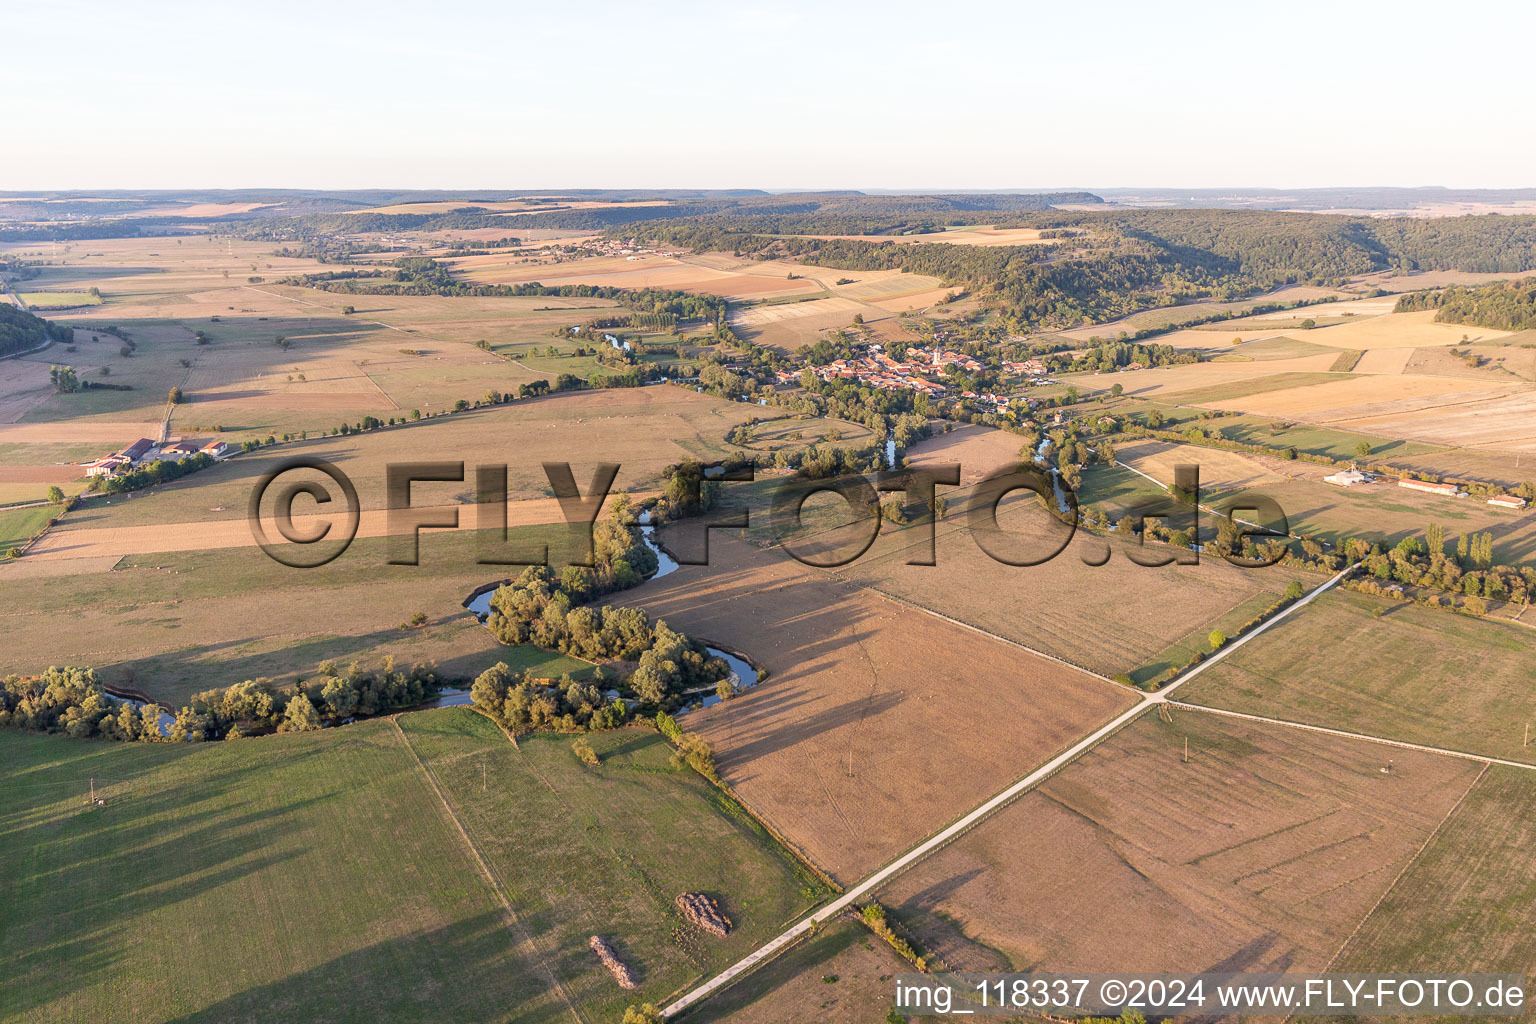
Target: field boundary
914,606
986,808
1422,748
485,869
1409,863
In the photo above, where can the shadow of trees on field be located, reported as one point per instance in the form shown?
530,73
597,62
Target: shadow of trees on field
466,971
793,621
78,875
161,674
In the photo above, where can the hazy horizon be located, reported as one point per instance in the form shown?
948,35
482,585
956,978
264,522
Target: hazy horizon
793,94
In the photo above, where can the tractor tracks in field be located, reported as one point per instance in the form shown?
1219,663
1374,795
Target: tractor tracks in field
488,873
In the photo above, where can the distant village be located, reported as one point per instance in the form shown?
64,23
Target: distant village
917,370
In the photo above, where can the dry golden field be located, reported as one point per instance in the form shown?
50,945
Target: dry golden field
1262,852
877,722
1399,330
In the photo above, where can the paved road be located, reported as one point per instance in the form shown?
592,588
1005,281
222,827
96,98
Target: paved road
944,836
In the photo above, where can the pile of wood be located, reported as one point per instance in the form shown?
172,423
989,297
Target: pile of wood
616,967
704,912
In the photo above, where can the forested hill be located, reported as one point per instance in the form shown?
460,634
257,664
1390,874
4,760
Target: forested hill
1504,305
881,214
20,330
1113,262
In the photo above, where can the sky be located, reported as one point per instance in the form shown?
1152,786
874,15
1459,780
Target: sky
780,95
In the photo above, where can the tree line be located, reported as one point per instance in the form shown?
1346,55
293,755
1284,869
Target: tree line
1503,305
73,701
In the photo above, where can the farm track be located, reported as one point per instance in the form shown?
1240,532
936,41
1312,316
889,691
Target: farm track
944,836
486,871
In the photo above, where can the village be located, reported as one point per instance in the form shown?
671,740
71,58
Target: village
877,369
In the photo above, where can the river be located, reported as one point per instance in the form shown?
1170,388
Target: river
745,675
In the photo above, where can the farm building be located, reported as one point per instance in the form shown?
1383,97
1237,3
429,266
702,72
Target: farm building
1508,501
175,451
1347,478
136,451
109,465
1449,490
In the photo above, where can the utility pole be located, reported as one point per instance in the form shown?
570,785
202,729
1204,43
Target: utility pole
93,789
1186,750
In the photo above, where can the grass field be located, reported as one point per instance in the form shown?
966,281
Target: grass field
1468,898
292,878
1412,673
173,624
17,526
58,300
605,851
323,878
1260,853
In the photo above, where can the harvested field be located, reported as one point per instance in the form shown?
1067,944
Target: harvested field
978,234
1466,413
1170,316
1170,382
1221,341
852,680
1353,308
618,272
39,474
1506,467
1232,392
173,624
1468,898
1410,673
757,316
1400,330
642,429
1108,619
1357,398
1260,853
1436,279
1384,360
207,535
841,975
1493,361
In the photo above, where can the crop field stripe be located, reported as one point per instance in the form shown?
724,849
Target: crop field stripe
905,603
1404,744
485,869
1034,778
1406,865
